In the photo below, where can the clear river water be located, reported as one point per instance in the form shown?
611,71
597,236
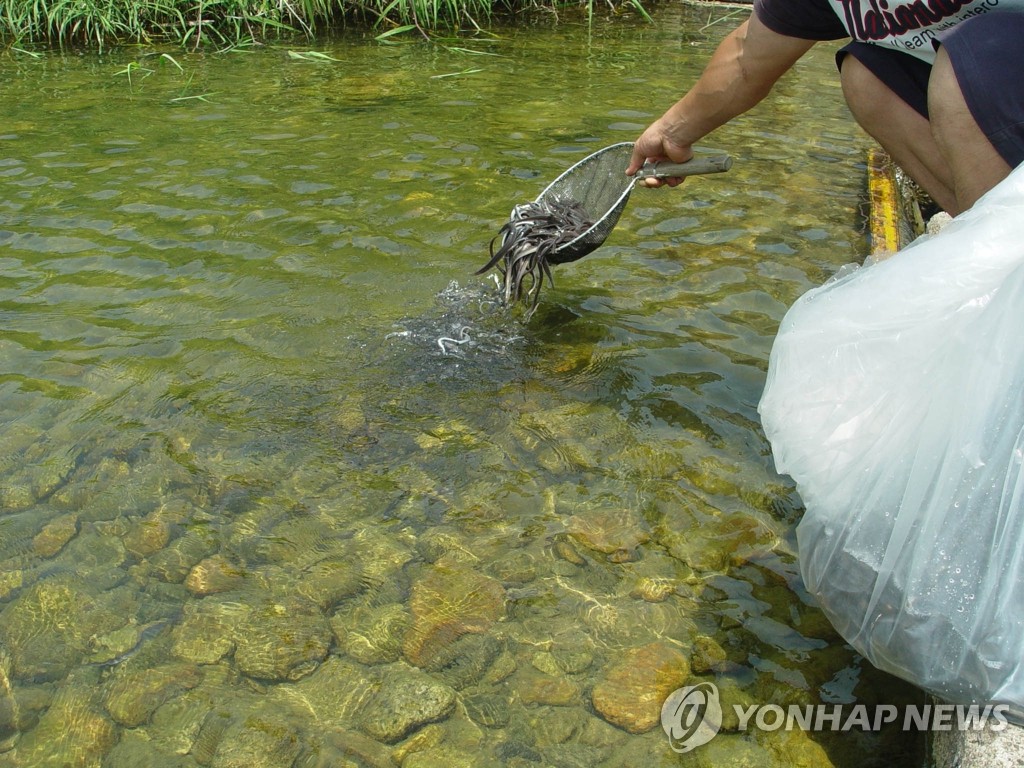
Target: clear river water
283,483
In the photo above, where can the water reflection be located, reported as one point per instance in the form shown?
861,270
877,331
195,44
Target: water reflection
283,486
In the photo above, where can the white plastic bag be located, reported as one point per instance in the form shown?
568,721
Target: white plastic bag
895,400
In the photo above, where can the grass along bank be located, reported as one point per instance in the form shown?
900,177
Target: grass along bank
221,24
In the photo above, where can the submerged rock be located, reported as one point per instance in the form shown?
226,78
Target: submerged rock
330,581
174,726
407,699
617,533
707,655
447,603
10,715
796,748
210,734
55,534
633,688
466,660
47,628
441,755
372,634
487,708
174,563
735,752
135,694
653,590
539,688
213,575
282,640
336,694
261,740
72,733
148,536
207,630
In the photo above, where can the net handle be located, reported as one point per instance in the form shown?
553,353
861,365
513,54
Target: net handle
664,169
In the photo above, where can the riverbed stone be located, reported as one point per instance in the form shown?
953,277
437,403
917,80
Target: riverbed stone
282,639
262,739
10,716
653,590
135,749
135,694
446,756
407,700
487,707
210,733
147,536
11,580
107,648
332,580
465,661
372,634
615,532
72,733
631,691
706,655
572,660
546,725
503,667
175,724
796,748
447,603
336,694
734,751
47,628
539,688
55,534
427,737
438,543
213,575
206,632
173,563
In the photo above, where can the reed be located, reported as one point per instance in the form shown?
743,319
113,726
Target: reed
225,24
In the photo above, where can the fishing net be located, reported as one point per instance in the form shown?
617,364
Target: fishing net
600,187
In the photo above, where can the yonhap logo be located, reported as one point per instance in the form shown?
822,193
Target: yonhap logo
691,716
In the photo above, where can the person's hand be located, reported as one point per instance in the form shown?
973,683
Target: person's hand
657,144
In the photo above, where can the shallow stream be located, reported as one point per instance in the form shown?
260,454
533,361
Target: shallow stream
283,485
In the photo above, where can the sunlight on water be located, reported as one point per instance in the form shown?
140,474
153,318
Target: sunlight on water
283,483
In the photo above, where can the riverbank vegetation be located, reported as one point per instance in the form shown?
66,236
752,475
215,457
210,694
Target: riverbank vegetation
221,24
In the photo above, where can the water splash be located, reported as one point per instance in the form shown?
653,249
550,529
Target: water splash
473,321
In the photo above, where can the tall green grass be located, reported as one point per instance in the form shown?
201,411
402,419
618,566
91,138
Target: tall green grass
223,24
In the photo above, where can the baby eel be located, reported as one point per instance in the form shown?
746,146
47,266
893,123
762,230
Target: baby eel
529,240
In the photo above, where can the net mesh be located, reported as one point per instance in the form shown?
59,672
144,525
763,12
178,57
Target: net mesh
599,184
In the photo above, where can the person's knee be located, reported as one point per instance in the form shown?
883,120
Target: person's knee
861,90
868,98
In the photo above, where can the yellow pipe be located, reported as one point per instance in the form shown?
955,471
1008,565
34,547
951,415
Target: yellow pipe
884,211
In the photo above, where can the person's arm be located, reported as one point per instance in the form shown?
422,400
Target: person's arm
741,72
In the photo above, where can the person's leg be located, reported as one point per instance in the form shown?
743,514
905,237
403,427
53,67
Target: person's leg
975,164
976,101
902,131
